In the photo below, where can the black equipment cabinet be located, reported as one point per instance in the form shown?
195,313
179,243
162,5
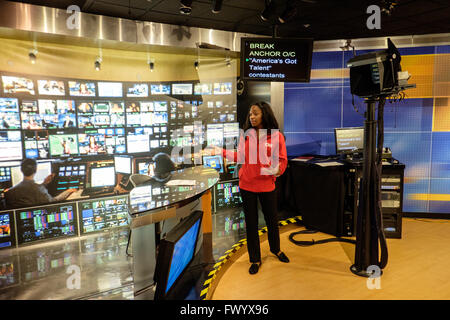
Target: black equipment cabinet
327,197
392,177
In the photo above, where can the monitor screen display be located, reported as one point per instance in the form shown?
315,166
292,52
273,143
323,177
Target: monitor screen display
10,145
81,89
63,145
227,195
182,88
9,113
71,175
138,140
137,90
43,170
175,253
103,214
122,164
223,88
215,162
160,89
7,231
110,89
17,85
214,134
103,177
36,144
203,89
46,222
92,142
349,140
51,88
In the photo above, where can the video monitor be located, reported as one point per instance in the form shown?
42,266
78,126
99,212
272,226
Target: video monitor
203,89
10,145
160,118
110,89
223,88
81,89
215,162
115,140
103,177
5,173
227,195
46,222
349,140
63,145
160,105
43,170
36,144
123,164
65,106
17,85
71,175
92,142
182,89
7,231
138,140
160,89
97,215
136,90
146,167
9,113
176,252
51,88
214,134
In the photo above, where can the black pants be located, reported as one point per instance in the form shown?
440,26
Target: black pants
268,202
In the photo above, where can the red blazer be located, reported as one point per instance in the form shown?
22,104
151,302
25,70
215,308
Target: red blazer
260,159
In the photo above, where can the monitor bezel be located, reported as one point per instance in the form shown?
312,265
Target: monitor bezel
101,187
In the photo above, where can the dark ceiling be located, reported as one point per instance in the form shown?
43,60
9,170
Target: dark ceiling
319,19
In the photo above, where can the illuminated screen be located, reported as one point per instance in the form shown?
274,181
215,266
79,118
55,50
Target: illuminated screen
103,177
71,175
92,142
176,252
43,170
147,168
46,222
9,113
110,89
123,164
138,140
223,88
63,145
10,145
51,87
215,162
182,88
17,85
103,214
82,89
349,140
7,230
215,134
160,88
137,90
203,88
36,144
228,195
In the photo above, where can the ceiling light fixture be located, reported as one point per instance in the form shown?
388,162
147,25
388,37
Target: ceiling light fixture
217,6
186,6
196,65
98,64
151,65
33,55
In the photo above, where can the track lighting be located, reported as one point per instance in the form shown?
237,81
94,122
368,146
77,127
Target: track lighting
98,64
196,64
151,65
32,55
228,62
217,6
185,6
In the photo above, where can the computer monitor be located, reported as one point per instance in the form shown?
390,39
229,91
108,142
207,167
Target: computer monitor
43,170
215,162
103,177
122,164
227,195
349,140
176,251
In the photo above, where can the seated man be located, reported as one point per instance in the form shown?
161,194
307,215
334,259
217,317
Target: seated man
28,193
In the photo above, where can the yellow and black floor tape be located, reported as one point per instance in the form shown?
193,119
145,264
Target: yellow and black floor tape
222,260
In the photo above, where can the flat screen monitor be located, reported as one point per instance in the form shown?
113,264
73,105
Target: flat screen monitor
110,89
138,140
9,113
182,89
7,230
137,90
71,175
17,85
46,222
123,164
223,88
10,145
43,170
102,214
160,89
215,162
349,140
176,252
82,89
63,145
51,87
203,89
214,134
103,177
227,195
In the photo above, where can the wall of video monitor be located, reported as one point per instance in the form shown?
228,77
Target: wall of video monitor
44,118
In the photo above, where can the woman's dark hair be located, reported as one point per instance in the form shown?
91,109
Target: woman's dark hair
28,167
268,118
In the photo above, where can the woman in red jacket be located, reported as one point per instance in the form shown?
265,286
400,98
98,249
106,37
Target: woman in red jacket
262,153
